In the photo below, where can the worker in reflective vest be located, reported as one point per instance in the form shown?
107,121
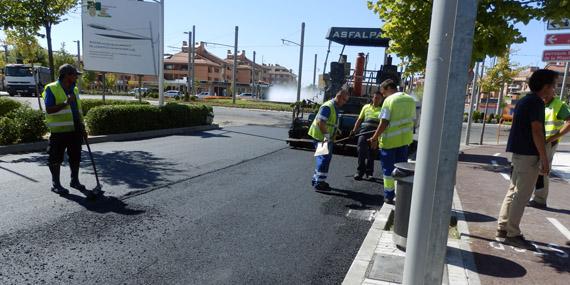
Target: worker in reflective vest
367,122
556,125
395,132
323,129
65,122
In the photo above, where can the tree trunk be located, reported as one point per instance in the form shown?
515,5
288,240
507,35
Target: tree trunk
50,52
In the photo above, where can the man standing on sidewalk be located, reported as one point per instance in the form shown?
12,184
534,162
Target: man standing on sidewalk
368,121
527,143
323,130
65,122
395,132
556,124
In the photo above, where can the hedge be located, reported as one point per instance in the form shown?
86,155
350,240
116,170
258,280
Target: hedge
134,118
8,105
88,104
22,125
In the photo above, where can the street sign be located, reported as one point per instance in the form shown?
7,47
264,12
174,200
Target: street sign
559,25
557,39
556,55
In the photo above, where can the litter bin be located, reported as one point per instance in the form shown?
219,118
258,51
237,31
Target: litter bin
404,176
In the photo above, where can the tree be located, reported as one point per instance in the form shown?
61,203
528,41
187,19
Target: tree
497,76
87,78
31,15
26,47
62,57
407,24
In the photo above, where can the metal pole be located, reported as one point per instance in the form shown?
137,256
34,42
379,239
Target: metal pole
5,63
234,78
301,61
193,54
445,73
315,71
447,166
37,82
253,76
189,69
472,103
564,81
104,86
478,100
161,57
140,86
78,63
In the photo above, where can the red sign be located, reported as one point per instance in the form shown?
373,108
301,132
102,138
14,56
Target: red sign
556,55
557,39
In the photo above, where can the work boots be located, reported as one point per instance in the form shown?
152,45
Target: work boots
56,184
75,178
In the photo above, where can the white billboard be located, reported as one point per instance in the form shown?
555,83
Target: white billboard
121,36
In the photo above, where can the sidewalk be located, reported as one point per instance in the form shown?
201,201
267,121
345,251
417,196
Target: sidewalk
477,258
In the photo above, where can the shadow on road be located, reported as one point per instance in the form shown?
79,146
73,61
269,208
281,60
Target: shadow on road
18,174
365,201
103,205
474,217
483,159
489,265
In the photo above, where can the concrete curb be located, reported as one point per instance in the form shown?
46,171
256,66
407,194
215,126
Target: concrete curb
40,146
357,273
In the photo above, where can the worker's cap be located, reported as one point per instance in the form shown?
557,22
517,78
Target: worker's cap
68,69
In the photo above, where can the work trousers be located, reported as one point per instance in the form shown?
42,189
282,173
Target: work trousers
366,155
541,189
523,180
389,157
322,163
60,142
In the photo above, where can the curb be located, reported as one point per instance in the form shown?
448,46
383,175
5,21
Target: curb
357,272
40,146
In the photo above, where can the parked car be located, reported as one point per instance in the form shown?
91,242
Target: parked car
203,94
246,96
173,94
135,92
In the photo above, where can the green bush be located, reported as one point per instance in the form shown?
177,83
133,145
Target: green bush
133,118
30,123
88,104
9,132
8,105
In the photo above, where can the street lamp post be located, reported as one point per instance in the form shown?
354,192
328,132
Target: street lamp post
189,79
301,46
78,62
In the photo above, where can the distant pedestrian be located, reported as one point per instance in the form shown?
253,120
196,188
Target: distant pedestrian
323,129
368,121
395,132
556,124
65,122
527,143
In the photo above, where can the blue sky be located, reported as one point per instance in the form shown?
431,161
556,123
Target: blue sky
262,24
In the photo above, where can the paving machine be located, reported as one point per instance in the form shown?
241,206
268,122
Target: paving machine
361,81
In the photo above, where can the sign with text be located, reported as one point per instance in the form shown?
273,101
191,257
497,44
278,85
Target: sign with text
556,55
120,36
557,39
559,25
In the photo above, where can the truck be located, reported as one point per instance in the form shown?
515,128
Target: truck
24,79
363,83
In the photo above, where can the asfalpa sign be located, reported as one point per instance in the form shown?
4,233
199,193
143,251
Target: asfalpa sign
121,36
563,24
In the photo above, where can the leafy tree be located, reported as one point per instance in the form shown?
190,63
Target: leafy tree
407,24
87,78
499,75
31,15
26,47
62,57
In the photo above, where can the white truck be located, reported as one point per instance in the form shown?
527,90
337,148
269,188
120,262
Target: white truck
24,80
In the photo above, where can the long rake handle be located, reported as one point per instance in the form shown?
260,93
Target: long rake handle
92,160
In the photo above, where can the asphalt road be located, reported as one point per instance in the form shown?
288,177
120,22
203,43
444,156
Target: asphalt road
219,207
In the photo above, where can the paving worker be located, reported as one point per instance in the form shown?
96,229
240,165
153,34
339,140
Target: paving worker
65,122
323,129
395,132
527,144
368,121
556,125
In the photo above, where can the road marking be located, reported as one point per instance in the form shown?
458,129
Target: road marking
497,154
366,215
565,232
506,176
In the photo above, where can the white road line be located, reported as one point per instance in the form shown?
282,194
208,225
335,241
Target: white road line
565,232
506,176
497,154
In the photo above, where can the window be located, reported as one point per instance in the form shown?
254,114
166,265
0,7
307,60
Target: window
216,70
209,69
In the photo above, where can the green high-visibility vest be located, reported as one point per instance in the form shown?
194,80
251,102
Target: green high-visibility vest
61,121
402,110
315,131
370,116
551,123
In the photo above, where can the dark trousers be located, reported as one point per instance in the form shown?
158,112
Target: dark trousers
366,155
58,144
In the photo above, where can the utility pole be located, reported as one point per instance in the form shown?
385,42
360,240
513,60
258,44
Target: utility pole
193,54
78,62
161,56
315,71
449,56
301,61
5,63
253,83
564,81
234,78
472,103
189,69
